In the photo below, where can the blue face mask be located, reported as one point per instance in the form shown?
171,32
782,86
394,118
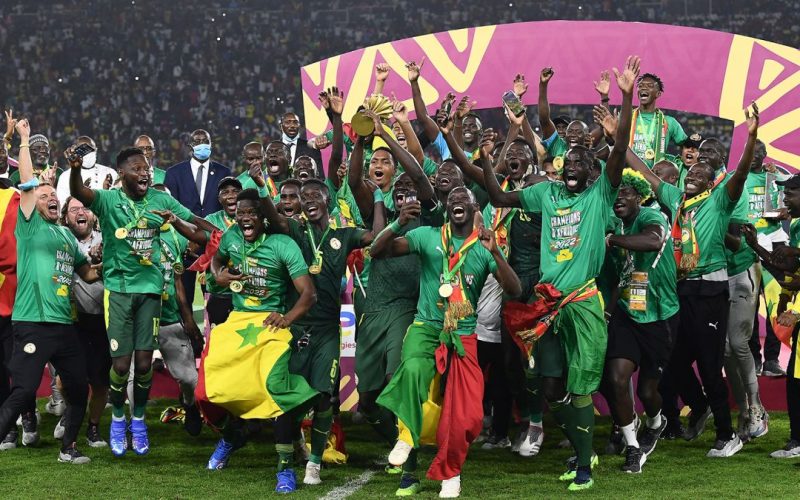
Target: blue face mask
202,151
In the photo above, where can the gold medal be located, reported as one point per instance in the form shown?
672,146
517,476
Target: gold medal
649,154
445,290
236,286
336,244
315,268
178,267
121,233
141,223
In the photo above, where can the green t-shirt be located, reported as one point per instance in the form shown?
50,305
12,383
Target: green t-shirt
131,265
272,261
794,233
662,295
221,220
645,135
336,245
556,145
393,282
711,219
249,183
159,175
479,263
47,255
573,247
173,245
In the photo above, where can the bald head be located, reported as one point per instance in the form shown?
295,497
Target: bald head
146,144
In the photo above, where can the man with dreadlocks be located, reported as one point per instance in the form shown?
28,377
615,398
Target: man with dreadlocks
653,131
640,308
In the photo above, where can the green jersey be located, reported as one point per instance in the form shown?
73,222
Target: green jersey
556,145
131,263
335,244
222,221
173,245
271,262
13,177
652,135
393,282
478,264
47,255
711,216
660,280
794,233
573,247
159,175
249,183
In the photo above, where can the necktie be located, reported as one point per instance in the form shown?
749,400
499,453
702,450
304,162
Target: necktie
198,181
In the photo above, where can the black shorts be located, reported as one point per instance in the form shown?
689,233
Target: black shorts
94,342
649,345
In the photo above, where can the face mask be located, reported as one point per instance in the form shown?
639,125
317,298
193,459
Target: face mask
90,159
202,151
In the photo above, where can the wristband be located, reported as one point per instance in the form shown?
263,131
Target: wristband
377,196
262,192
31,184
604,100
26,145
396,227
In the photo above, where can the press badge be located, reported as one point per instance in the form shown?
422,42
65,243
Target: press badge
637,291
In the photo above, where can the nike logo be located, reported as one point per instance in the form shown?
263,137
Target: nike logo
713,325
584,429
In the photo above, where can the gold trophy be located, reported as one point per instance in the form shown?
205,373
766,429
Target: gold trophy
363,124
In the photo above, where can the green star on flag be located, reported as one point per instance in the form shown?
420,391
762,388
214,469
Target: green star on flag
249,335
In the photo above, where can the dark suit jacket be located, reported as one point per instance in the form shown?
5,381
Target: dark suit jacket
304,150
180,182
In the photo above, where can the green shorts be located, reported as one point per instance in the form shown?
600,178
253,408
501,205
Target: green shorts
379,342
575,347
132,322
318,361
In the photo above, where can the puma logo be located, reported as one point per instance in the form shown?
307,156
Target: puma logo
584,429
714,325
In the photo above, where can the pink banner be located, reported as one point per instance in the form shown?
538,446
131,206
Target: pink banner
705,72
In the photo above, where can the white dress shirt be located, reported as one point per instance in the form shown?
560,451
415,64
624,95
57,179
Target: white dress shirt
195,165
96,175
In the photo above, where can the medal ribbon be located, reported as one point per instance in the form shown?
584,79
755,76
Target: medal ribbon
659,139
245,252
136,213
314,246
457,307
273,189
686,250
500,222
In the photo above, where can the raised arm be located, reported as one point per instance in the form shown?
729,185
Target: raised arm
470,171
428,125
506,277
381,73
335,104
497,196
355,179
548,127
626,81
389,243
463,109
735,184
77,189
274,218
27,197
602,87
400,115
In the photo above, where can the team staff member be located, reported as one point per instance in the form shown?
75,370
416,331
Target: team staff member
42,317
133,280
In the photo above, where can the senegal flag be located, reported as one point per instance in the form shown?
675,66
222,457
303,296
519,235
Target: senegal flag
245,370
9,203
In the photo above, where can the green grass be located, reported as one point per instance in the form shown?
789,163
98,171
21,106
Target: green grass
175,469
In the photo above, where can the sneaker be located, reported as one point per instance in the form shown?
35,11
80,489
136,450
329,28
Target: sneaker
192,422
791,450
773,369
519,440
219,459
758,421
312,474
118,438
30,429
409,485
392,470
451,488
93,437
532,443
673,431
287,481
724,449
583,481
73,456
58,432
399,453
139,440
494,443
634,459
10,441
649,437
616,444
697,424
55,406
572,467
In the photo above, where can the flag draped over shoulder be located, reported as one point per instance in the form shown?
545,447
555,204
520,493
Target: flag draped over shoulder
245,370
9,204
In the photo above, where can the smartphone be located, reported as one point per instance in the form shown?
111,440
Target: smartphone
411,197
447,109
83,150
513,103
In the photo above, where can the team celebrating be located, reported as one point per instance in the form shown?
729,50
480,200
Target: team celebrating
524,272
